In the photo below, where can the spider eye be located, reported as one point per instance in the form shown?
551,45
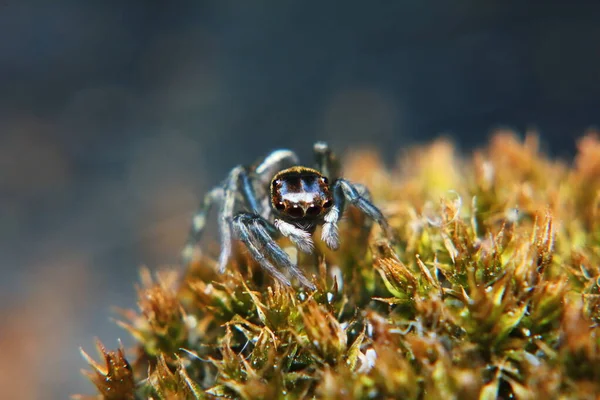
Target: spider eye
280,206
324,180
327,204
313,211
295,212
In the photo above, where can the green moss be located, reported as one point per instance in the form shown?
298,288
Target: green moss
491,290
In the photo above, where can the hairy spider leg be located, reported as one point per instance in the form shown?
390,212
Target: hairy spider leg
364,191
261,231
250,194
329,231
276,252
353,195
326,162
273,163
344,191
199,222
226,215
243,232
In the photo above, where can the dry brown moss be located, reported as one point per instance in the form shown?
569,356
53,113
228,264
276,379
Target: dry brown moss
492,290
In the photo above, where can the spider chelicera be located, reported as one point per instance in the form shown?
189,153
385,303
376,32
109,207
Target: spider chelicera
277,197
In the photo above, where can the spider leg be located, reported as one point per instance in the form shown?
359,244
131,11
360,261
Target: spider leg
260,228
366,193
344,191
246,235
326,161
363,190
250,194
280,256
226,215
199,222
301,238
329,231
271,164
352,194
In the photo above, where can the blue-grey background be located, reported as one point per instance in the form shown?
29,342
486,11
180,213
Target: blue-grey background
115,116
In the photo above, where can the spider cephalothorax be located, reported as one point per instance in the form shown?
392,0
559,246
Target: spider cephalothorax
278,197
301,194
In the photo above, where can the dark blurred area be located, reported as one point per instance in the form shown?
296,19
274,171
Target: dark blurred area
116,116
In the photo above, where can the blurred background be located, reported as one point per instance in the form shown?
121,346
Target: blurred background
115,117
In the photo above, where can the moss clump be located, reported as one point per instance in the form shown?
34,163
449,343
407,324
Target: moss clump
492,290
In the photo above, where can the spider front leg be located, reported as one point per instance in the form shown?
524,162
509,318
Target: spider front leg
244,233
344,191
255,232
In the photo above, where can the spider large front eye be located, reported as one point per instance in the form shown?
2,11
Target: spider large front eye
327,204
313,211
295,211
324,180
280,205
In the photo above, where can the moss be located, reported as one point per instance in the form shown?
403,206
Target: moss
491,290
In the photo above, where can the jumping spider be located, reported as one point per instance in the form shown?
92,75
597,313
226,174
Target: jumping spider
277,198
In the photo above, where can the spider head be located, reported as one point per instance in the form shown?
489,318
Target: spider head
300,193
